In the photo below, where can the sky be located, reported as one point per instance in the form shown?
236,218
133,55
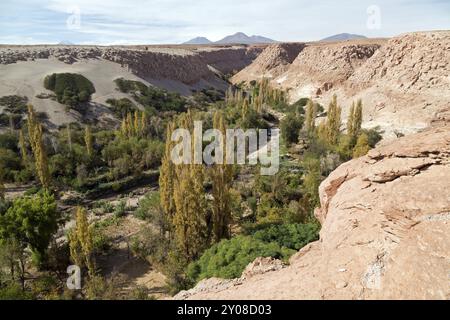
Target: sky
174,21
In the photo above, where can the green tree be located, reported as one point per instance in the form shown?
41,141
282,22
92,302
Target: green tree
167,176
354,120
290,128
311,113
13,258
222,177
35,133
89,141
333,123
189,221
32,221
81,242
362,146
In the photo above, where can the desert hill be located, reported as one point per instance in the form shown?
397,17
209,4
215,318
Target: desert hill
403,81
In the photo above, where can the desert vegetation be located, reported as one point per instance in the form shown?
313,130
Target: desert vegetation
195,221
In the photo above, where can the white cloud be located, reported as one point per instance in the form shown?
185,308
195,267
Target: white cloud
174,21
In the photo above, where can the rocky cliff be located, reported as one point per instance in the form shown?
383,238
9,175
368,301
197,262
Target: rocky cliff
272,62
186,64
385,232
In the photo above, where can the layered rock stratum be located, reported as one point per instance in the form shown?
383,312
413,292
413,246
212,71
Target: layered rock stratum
385,232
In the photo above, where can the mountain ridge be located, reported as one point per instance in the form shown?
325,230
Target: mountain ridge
237,38
343,37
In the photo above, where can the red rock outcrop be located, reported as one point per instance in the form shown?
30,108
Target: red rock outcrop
385,232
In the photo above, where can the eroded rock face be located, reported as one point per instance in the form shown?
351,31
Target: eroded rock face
385,231
404,82
186,65
271,63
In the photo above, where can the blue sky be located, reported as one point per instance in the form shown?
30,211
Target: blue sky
175,21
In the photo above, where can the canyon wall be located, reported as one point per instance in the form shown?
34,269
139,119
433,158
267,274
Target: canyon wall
404,82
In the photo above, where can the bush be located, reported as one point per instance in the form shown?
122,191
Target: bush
290,128
228,258
70,88
9,141
14,104
152,97
13,291
149,207
121,107
293,236
120,209
32,221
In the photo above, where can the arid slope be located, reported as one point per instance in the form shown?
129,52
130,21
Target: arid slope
404,82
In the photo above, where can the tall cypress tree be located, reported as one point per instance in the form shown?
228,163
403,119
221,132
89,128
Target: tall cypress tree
35,133
189,221
23,148
350,121
357,122
333,123
81,242
89,140
310,117
221,176
167,176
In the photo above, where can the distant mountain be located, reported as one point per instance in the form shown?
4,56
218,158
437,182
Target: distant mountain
343,37
242,38
198,40
66,43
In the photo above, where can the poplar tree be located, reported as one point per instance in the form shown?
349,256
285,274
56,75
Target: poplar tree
23,147
333,123
144,124
35,133
362,146
222,177
2,186
89,140
357,123
354,120
310,117
137,124
80,240
167,176
350,121
69,137
189,221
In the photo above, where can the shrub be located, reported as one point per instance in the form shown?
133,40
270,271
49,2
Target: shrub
32,221
290,128
14,104
149,207
228,258
152,97
293,236
13,291
121,107
120,209
70,88
9,141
